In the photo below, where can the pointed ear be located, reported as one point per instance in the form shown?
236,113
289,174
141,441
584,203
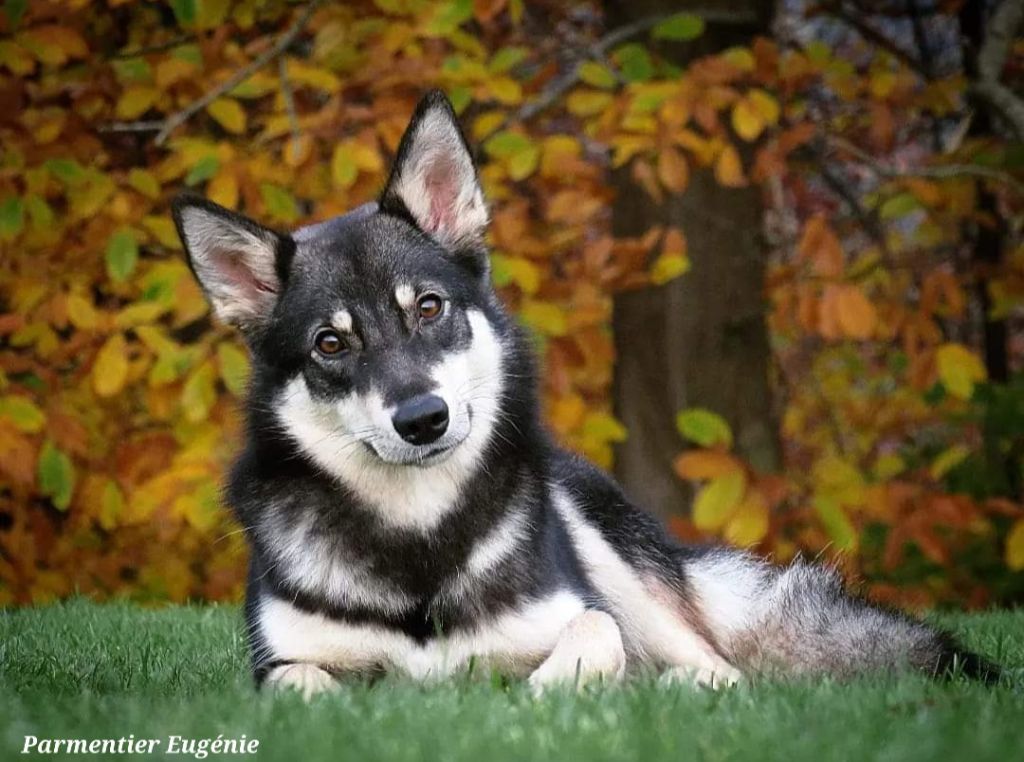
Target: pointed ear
239,263
434,180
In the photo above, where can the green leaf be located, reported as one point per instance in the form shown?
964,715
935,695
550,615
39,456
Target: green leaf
449,16
68,171
836,523
136,70
460,97
56,476
279,202
682,26
597,75
23,413
234,368
39,212
14,10
184,11
704,427
203,170
122,254
634,62
12,217
506,58
503,145
899,206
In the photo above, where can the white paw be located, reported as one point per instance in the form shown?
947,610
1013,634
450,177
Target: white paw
589,648
709,677
308,679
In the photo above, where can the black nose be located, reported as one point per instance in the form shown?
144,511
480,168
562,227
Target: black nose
421,420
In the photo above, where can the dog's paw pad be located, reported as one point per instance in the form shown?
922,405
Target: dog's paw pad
308,679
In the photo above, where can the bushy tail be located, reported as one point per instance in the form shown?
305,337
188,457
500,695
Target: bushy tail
800,619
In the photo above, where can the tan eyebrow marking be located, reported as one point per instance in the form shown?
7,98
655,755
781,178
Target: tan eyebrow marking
342,320
405,295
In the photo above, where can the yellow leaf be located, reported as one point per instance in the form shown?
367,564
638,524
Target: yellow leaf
544,317
135,101
959,369
223,189
587,102
746,121
234,368
717,501
163,230
948,459
302,73
110,371
229,114
668,267
749,524
199,393
838,480
766,106
1015,546
343,167
729,170
81,312
111,505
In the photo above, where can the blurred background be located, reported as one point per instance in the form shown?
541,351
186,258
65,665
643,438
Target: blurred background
770,254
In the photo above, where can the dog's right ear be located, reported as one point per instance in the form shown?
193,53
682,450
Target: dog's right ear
239,263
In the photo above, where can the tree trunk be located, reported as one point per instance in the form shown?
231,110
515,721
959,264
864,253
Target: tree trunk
701,340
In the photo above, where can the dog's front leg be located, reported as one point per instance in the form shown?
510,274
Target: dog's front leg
589,647
308,679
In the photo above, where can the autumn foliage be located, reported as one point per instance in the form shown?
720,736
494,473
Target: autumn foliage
119,395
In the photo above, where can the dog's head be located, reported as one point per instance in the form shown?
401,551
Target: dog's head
376,336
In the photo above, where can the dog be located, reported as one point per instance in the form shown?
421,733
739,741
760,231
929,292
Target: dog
406,510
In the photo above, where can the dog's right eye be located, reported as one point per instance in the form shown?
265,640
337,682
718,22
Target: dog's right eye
328,342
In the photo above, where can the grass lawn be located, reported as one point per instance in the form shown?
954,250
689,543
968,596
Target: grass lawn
80,670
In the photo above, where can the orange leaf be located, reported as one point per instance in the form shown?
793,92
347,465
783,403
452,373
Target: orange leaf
820,246
705,464
729,169
857,316
673,170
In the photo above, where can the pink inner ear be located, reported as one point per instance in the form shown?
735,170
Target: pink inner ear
441,188
231,269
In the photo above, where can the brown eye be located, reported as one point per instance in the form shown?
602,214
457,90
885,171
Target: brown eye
430,306
328,342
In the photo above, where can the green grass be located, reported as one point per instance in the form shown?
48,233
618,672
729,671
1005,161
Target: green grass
80,670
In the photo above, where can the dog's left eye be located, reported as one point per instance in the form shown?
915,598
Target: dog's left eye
430,306
328,342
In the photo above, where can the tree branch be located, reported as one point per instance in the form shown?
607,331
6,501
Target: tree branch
1000,32
999,35
1003,100
938,172
173,121
872,35
563,83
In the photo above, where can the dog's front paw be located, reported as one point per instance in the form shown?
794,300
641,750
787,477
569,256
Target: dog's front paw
309,679
589,648
705,676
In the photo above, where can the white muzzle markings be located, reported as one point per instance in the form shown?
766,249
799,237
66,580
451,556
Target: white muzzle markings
354,440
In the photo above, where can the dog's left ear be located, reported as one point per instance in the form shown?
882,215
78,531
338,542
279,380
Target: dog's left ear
434,180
